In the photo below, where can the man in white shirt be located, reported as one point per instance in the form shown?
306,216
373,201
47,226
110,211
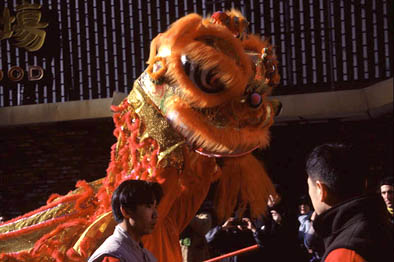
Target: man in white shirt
134,206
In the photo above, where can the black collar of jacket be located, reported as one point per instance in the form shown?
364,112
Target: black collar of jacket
346,213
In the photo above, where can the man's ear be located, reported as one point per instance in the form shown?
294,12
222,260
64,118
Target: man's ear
322,191
125,213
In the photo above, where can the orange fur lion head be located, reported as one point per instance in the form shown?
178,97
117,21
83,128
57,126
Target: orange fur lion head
211,80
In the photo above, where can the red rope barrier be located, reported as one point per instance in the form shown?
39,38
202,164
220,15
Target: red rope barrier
234,253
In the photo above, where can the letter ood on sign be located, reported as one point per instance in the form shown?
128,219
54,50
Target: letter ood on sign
16,73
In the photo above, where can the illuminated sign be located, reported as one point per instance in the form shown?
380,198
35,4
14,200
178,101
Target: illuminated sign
16,73
27,28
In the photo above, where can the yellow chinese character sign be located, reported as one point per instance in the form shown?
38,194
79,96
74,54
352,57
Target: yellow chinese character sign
25,28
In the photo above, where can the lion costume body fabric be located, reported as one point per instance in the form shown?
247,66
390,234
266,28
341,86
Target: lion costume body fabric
193,117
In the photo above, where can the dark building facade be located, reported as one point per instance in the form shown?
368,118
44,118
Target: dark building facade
93,48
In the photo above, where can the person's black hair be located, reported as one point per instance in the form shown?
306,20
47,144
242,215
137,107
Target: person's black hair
206,207
304,199
342,168
388,180
279,190
132,193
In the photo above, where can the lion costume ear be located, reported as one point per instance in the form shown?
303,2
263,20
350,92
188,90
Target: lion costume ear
233,20
268,69
181,32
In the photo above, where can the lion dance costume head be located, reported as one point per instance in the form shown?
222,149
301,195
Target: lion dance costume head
193,117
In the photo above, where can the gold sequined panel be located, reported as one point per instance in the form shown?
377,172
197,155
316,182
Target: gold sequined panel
23,242
156,126
105,224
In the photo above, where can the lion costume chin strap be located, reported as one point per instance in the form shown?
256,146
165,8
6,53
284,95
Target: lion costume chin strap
203,97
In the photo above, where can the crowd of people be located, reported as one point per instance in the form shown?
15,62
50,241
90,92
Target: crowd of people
338,220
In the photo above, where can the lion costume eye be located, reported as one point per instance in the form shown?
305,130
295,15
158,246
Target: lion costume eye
206,80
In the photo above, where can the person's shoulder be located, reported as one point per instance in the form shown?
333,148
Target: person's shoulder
344,255
110,246
303,218
105,258
150,256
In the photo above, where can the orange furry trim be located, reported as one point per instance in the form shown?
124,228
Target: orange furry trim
46,237
18,257
73,255
254,43
180,29
125,155
85,195
184,192
160,73
226,195
52,244
52,197
208,58
182,39
223,33
244,179
256,186
153,48
212,138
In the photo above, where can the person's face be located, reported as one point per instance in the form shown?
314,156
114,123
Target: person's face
304,208
144,218
387,193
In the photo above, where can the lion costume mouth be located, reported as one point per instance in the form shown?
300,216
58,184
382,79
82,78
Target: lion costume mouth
213,87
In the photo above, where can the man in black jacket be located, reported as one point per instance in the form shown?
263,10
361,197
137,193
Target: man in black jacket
353,226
